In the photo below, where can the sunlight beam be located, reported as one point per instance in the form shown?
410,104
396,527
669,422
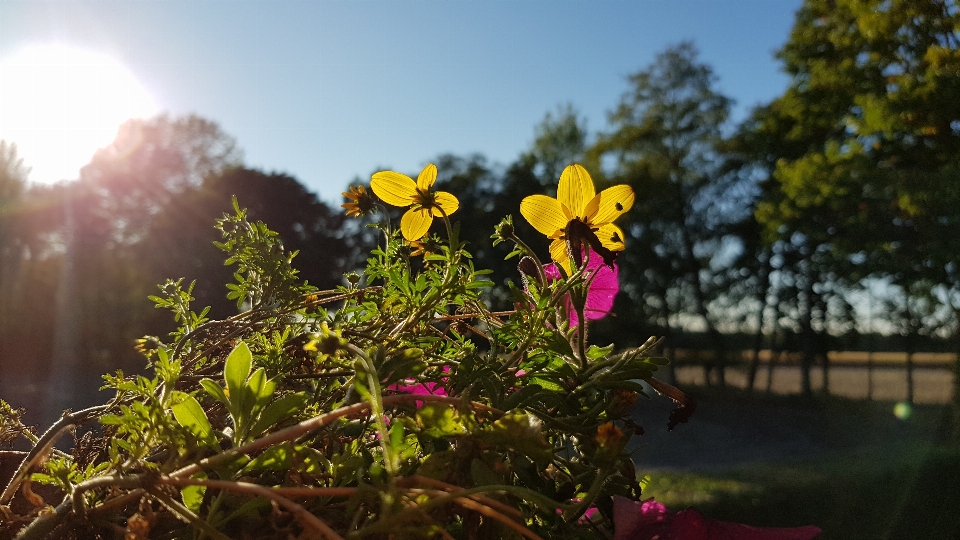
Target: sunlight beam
59,104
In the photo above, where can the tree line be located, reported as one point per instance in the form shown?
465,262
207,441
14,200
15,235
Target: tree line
776,231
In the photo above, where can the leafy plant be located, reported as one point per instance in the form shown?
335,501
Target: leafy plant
395,406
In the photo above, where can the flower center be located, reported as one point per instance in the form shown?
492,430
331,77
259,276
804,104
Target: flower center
426,199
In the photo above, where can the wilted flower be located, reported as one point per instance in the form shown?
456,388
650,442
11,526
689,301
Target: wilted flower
400,190
579,216
363,201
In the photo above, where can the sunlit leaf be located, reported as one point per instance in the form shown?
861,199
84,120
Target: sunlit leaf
190,415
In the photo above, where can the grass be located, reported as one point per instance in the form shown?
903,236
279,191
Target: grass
882,490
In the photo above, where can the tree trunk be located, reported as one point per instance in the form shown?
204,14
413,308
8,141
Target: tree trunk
776,346
807,346
910,377
669,347
823,348
755,359
911,349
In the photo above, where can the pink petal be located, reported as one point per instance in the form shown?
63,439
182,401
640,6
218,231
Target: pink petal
650,520
690,524
429,388
603,287
634,520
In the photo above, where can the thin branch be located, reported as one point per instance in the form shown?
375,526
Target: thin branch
443,497
316,423
186,515
450,488
301,513
45,444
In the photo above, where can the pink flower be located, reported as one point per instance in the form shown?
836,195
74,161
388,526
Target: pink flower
650,520
604,284
430,388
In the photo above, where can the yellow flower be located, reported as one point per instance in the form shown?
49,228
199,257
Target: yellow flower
362,204
579,214
400,190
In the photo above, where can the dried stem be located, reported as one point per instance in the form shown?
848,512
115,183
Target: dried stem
301,513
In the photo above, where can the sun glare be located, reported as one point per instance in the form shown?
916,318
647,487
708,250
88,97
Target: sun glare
59,104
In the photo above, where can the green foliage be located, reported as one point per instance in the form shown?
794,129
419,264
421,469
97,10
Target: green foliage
379,400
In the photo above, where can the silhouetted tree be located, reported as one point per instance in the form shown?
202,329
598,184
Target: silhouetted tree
663,143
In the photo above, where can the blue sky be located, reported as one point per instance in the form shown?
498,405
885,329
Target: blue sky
329,90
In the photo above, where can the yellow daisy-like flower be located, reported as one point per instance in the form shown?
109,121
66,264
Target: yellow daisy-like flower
579,214
400,190
362,204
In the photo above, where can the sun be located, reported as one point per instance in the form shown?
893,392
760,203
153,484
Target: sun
59,104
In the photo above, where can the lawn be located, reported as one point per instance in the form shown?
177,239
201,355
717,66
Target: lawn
849,467
895,493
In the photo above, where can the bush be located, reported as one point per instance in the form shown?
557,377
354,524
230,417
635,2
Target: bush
395,406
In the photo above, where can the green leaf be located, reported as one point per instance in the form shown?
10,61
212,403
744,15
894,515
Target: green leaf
278,411
520,432
483,474
237,368
215,391
438,464
193,496
520,397
595,353
252,509
440,420
275,458
261,390
190,415
546,384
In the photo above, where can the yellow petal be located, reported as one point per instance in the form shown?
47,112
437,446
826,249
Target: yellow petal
575,189
394,188
591,208
544,213
427,177
415,223
611,237
614,201
446,201
558,252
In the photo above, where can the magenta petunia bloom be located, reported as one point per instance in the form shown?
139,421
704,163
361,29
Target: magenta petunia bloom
429,388
604,284
650,520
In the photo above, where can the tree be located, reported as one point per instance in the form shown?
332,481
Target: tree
663,143
559,140
180,242
149,162
867,184
81,291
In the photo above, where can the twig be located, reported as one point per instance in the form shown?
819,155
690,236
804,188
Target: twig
450,488
185,514
443,497
45,443
315,423
300,512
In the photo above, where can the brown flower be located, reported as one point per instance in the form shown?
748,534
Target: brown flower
363,201
425,246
